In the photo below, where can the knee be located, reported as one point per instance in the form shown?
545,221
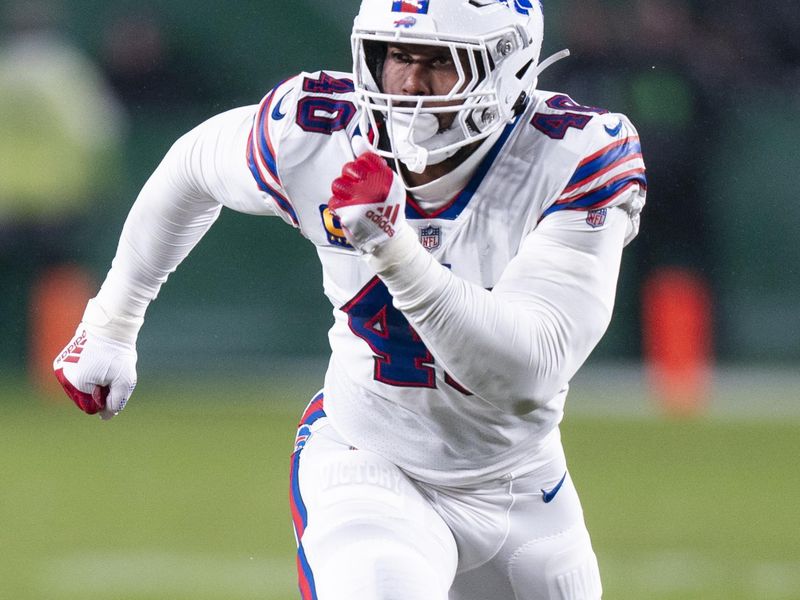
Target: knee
561,568
373,561
385,571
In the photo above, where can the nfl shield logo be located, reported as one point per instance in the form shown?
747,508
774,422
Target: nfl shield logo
597,218
430,237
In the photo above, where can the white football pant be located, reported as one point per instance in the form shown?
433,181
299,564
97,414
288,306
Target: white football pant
366,530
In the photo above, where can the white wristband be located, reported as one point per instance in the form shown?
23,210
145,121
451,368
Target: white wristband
121,328
397,251
412,275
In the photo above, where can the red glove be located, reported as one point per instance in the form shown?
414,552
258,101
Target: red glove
90,403
369,200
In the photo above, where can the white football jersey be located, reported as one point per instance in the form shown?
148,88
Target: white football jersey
384,389
437,409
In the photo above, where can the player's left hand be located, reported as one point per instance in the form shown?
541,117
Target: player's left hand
369,200
96,372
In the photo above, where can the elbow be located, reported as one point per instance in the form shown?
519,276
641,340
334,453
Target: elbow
522,389
537,395
549,369
518,390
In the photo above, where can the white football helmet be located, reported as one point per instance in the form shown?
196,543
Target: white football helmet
495,46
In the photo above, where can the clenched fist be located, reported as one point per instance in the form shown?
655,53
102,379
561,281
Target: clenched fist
96,372
369,200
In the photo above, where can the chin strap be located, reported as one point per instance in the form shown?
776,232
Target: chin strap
419,162
417,136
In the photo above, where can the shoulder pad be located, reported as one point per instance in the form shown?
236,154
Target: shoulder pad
603,146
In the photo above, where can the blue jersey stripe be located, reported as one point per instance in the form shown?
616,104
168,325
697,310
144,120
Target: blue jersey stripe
305,575
263,142
314,411
300,515
631,147
314,416
600,197
297,498
282,201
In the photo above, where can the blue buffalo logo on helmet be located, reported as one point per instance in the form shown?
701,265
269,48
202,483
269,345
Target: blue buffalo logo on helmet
406,22
419,7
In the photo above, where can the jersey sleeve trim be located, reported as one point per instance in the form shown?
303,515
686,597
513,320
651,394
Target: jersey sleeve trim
266,150
603,176
262,157
600,198
281,200
603,161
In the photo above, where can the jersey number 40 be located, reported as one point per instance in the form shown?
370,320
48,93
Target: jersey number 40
573,115
323,114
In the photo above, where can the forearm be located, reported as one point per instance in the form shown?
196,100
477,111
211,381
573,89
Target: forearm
168,219
205,170
528,336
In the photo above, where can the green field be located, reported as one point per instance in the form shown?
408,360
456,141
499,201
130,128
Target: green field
184,497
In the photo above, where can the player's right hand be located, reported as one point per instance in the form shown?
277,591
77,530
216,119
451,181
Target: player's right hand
369,199
96,372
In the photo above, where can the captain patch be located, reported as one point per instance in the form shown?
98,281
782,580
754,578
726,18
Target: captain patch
333,228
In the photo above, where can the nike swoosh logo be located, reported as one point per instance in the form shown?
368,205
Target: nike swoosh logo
549,496
277,115
613,131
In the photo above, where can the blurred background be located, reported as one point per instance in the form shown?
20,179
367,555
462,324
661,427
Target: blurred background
684,426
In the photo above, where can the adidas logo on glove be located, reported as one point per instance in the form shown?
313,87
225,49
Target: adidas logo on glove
385,217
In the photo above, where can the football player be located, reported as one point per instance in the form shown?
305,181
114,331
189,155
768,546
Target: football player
470,229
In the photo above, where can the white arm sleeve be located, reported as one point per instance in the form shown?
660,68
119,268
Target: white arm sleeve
520,344
203,171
